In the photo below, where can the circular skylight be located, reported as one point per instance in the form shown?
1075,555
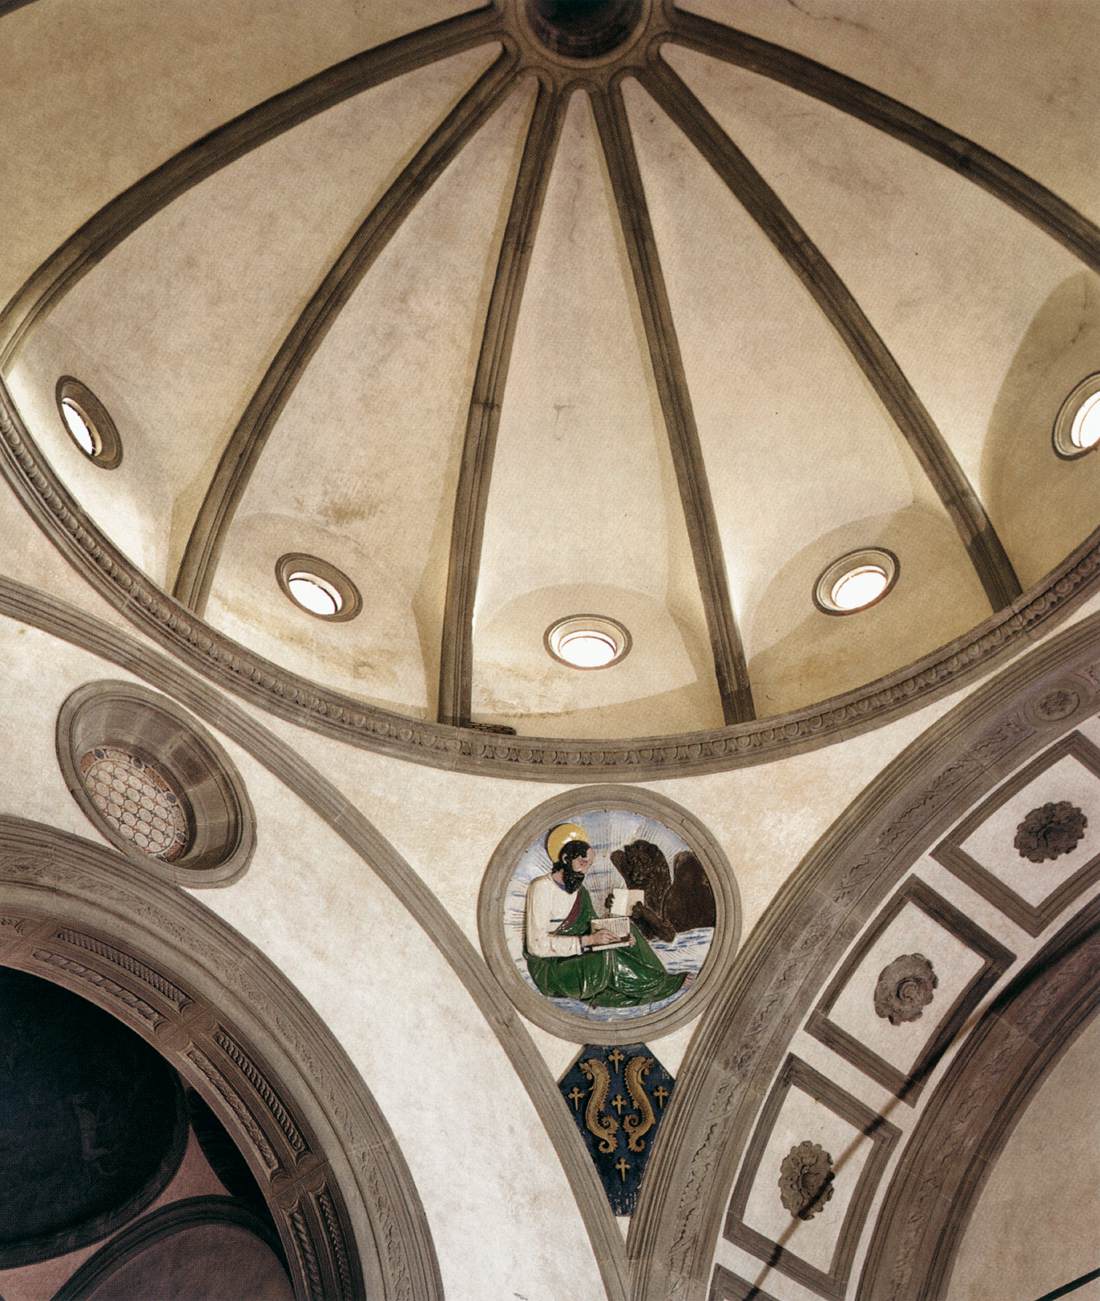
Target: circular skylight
88,423
855,581
318,587
587,641
1077,426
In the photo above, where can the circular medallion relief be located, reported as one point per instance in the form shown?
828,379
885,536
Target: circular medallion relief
155,784
605,914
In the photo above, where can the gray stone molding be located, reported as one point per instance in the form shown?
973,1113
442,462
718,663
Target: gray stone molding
574,804
1033,918
907,1085
840,885
832,1282
726,1286
345,1206
149,724
288,695
60,619
153,1228
969,1118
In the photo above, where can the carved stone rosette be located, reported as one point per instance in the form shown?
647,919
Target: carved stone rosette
1050,830
806,1179
904,988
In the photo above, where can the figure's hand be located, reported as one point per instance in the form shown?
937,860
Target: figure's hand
600,937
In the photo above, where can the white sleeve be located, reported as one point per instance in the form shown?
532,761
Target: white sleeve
539,924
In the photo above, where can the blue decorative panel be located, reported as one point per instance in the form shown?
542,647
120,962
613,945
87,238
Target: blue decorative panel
618,1096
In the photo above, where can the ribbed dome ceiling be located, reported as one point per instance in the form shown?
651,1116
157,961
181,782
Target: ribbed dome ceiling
507,336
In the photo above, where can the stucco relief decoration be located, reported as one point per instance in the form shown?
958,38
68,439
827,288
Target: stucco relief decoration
1050,830
609,915
904,988
806,1179
1058,704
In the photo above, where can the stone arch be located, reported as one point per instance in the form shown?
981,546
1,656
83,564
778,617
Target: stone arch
348,1214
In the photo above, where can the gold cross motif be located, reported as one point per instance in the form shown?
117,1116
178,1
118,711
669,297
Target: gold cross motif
574,1095
622,1165
615,1057
619,1102
661,1094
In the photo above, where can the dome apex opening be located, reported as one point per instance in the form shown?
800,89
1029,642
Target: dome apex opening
583,29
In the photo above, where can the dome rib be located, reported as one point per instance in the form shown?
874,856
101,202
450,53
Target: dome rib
730,668
1051,214
805,259
200,558
146,197
487,399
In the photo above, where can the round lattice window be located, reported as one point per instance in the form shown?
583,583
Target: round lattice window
160,789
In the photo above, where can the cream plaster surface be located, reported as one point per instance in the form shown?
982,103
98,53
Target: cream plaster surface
803,1119
174,329
955,965
991,844
564,523
1033,1228
362,466
76,131
952,278
334,928
1014,76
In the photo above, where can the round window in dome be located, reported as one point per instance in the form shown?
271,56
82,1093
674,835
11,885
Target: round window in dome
856,581
587,641
88,423
318,587
1077,425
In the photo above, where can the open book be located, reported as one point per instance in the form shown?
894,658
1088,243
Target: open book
618,920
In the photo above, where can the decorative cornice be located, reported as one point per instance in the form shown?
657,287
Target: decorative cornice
803,935
289,696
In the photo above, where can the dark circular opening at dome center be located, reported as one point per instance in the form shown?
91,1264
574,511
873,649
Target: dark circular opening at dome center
583,29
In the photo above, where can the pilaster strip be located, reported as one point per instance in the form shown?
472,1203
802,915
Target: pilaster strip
486,402
242,452
862,340
730,669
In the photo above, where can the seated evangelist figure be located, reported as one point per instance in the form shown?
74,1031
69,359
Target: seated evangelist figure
567,950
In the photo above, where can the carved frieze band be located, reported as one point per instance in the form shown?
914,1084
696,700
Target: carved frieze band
53,883
290,696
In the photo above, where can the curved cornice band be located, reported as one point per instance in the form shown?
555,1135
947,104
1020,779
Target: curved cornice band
65,621
971,1115
146,197
779,972
286,694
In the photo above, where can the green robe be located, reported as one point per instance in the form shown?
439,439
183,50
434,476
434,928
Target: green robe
625,977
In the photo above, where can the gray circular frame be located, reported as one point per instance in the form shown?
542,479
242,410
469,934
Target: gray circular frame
574,804
1063,421
834,571
140,721
627,641
108,456
294,561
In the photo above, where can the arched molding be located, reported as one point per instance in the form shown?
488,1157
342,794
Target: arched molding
232,666
60,619
347,1212
190,1213
574,804
972,1113
802,937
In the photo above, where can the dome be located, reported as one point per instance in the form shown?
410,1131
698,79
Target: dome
616,307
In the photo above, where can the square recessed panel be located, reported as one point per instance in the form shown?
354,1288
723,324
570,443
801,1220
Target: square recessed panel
965,962
981,850
806,1107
